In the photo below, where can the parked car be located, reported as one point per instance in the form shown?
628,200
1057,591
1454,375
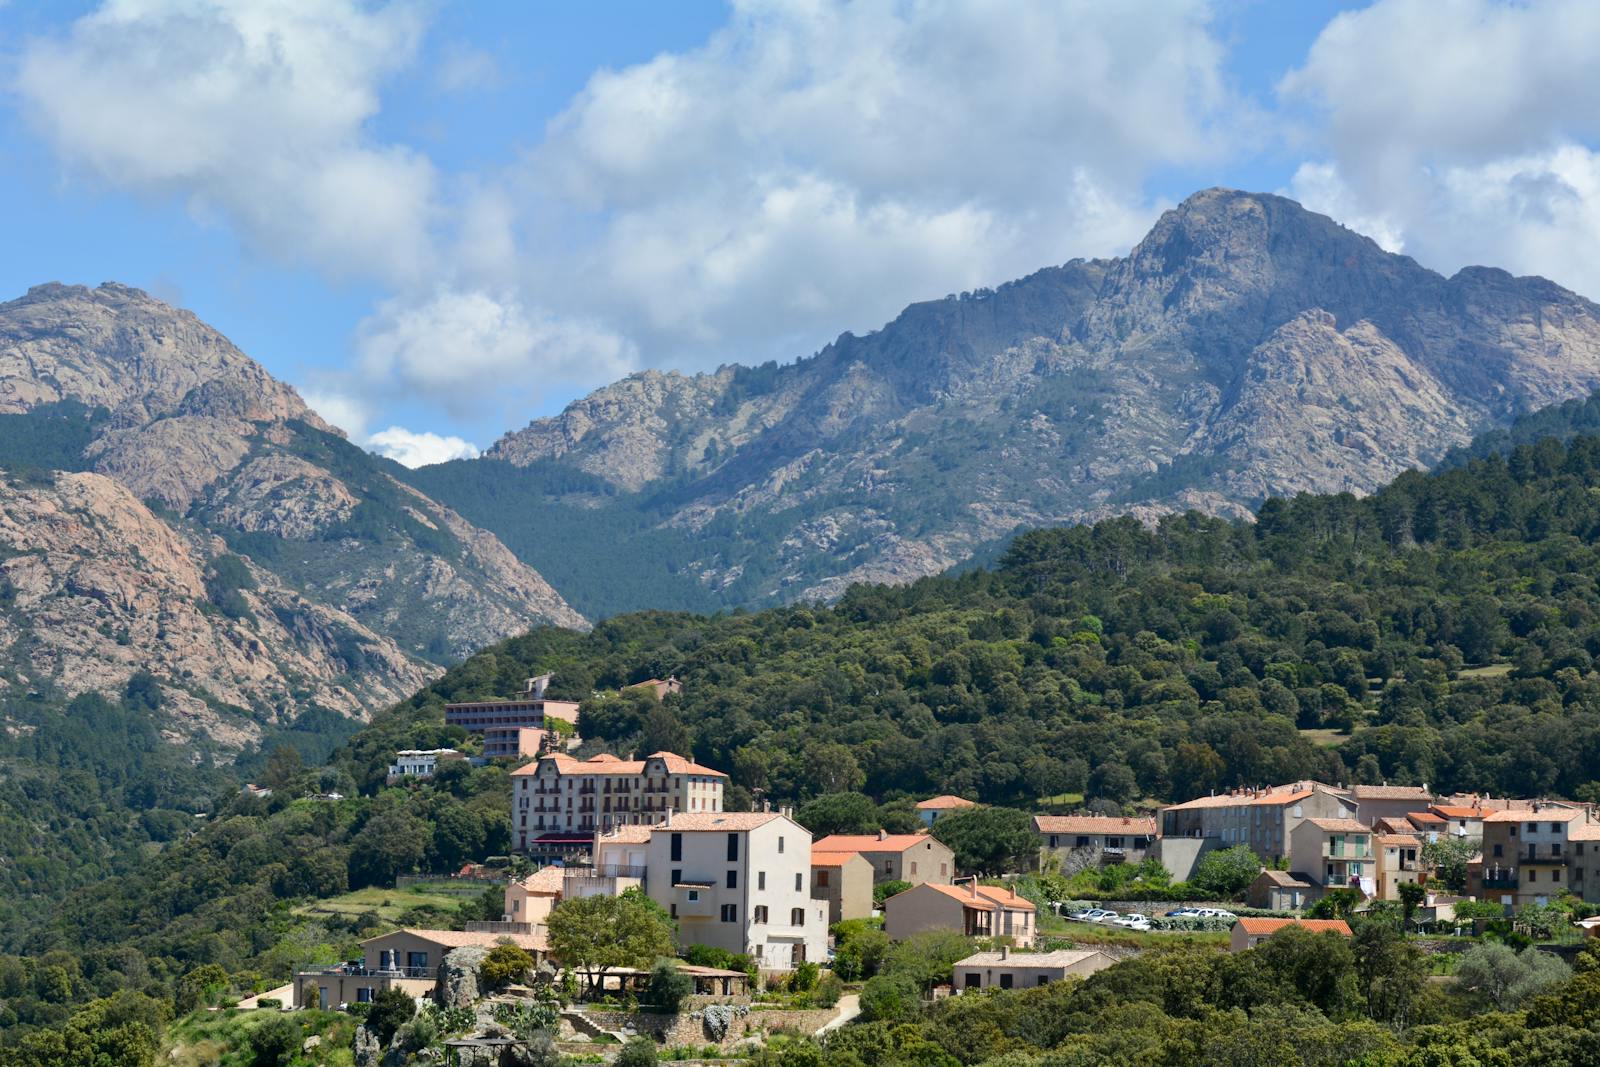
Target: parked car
1133,919
1184,913
1090,915
1214,913
1107,917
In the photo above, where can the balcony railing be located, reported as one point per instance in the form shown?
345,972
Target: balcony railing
1549,860
381,972
499,926
1500,878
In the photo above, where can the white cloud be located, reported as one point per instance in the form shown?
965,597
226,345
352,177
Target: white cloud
469,350
815,167
412,449
251,111
1462,130
340,409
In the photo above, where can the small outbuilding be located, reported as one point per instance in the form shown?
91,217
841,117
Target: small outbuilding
1025,970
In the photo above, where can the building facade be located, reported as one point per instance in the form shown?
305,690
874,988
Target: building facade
1110,840
1335,854
530,709
844,880
1534,855
739,881
1005,969
1262,819
559,802
407,959
1248,933
419,762
970,909
930,810
914,858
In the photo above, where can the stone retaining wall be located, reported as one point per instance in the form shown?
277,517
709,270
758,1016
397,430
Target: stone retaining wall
689,1028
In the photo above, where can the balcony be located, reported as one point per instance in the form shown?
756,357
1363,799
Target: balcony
498,926
361,971
1500,878
1531,855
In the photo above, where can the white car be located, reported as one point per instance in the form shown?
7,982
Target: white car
1092,915
1134,921
1215,913
1107,917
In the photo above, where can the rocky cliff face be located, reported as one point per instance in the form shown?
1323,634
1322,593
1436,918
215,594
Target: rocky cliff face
214,531
1245,347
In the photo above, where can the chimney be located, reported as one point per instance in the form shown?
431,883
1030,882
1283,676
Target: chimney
669,817
1005,952
883,835
974,887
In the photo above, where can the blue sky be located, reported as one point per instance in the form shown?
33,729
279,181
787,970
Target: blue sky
442,220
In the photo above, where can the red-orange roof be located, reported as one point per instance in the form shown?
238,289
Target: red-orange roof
1271,926
606,763
831,859
870,842
988,896
1450,811
1340,826
1542,815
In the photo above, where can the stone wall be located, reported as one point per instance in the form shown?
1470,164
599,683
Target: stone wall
689,1026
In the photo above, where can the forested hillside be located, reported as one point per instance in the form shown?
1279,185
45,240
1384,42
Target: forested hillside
1442,630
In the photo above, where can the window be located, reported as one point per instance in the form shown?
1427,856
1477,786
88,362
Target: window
761,879
913,868
416,959
677,848
1083,841
1052,845
822,878
797,916
972,980
677,875
1533,876
888,866
674,909
733,847
761,914
1499,850
1555,875
780,843
694,896
364,995
730,913
1555,848
1044,979
1006,979
799,882
733,879
1555,828
944,870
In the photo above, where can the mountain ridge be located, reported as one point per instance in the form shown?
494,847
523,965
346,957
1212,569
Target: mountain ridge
1246,347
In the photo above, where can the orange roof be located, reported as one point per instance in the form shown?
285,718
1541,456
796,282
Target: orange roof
627,835
461,938
1271,797
1092,824
1340,826
988,897
1424,818
945,802
679,765
870,842
831,859
716,820
546,881
1400,839
1451,811
1588,831
1272,926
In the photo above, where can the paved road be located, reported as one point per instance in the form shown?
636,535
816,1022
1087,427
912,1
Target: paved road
849,1008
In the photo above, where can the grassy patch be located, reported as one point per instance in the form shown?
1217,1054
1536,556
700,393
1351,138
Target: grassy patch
221,1038
1324,737
390,904
1493,670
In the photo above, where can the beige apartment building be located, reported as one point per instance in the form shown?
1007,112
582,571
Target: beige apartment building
408,959
1263,819
844,880
560,802
914,858
1335,854
970,909
1109,839
739,881
529,709
1374,802
1532,856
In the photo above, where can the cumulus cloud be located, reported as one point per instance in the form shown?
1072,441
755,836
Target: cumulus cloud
463,69
469,349
1460,130
814,167
412,449
337,407
253,112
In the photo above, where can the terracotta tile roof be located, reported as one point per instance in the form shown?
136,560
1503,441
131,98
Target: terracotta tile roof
1400,839
944,803
1589,831
1285,879
1425,818
1340,826
462,938
545,881
870,842
1093,824
820,858
732,821
1451,811
627,835
680,765
1289,793
1542,815
989,897
1061,957
1393,826
1255,927
1391,792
